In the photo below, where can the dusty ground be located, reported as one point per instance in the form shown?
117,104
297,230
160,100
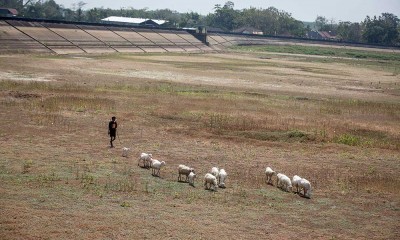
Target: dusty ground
59,179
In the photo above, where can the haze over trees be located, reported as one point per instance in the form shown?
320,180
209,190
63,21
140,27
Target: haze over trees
382,29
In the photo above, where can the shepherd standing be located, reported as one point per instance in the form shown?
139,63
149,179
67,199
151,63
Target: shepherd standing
112,130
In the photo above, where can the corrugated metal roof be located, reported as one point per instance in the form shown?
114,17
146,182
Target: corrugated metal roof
132,20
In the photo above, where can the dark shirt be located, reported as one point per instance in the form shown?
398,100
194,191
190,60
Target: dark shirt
112,127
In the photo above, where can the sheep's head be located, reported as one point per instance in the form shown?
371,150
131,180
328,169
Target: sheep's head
309,193
192,170
163,163
150,155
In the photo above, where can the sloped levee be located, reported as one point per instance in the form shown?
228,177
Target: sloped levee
12,40
21,35
221,40
45,36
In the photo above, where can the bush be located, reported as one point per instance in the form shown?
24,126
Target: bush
348,139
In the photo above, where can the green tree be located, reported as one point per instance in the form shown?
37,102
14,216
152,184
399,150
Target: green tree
95,14
271,21
320,23
224,17
191,19
17,4
381,30
51,10
351,32
48,9
79,13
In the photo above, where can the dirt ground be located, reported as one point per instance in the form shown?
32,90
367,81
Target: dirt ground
60,180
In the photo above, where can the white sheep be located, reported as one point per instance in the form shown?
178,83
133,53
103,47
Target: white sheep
295,182
221,178
211,180
284,182
156,166
305,185
269,173
191,178
184,170
146,159
215,172
125,151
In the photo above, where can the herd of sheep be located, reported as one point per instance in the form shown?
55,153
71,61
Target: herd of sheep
216,178
283,182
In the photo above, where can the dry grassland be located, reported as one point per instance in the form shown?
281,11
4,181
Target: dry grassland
332,121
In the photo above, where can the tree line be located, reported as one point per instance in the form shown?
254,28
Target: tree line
383,29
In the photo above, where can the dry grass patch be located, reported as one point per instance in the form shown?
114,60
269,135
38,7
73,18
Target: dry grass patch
64,182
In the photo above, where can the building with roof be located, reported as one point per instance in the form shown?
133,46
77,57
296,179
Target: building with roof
322,35
8,12
328,35
135,21
248,30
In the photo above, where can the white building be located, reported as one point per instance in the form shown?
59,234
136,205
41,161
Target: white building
135,21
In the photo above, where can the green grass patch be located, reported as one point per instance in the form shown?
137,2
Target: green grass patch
322,51
348,139
281,136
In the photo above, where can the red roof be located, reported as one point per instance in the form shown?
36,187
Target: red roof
326,34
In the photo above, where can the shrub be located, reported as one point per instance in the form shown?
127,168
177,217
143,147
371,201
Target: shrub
348,139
